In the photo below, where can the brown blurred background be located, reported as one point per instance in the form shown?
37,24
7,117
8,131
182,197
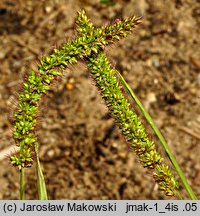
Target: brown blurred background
82,152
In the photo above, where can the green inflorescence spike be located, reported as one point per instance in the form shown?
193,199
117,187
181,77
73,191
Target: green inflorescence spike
89,44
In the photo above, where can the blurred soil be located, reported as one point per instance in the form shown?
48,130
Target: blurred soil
82,151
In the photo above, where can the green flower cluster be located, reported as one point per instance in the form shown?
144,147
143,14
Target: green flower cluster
89,45
128,121
51,66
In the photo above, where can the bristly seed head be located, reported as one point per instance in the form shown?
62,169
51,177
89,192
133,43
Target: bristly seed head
50,67
88,45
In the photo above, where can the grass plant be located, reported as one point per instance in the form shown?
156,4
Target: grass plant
89,45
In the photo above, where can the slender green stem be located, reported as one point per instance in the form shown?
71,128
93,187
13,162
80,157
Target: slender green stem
42,192
22,185
160,137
